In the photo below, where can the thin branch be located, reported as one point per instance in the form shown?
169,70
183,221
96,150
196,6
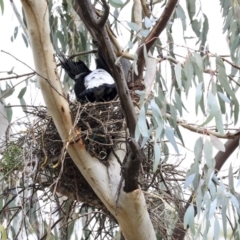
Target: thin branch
34,72
10,89
132,166
105,15
232,64
230,146
18,76
155,32
145,8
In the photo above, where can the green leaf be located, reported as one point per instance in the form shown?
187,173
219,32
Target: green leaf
142,123
130,44
224,218
147,22
165,151
23,103
15,32
3,232
173,115
116,3
178,102
189,180
219,122
9,113
208,152
157,116
234,201
224,97
198,96
25,40
181,14
188,71
222,77
212,104
134,26
178,72
144,32
170,136
198,60
196,26
189,217
204,31
22,92
2,6
8,91
212,209
216,229
217,143
191,8
220,100
198,148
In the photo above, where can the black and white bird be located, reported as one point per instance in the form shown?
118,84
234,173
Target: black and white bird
93,86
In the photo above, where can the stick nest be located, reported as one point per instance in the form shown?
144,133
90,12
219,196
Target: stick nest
99,124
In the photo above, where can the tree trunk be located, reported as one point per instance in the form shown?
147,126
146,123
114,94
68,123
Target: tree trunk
131,210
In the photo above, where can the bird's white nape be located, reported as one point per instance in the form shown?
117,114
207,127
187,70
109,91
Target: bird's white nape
97,78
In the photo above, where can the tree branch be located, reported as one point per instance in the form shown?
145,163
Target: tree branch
153,35
132,166
105,15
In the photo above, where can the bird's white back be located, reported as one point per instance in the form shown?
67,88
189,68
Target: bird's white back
97,78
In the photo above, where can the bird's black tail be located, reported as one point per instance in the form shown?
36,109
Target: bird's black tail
101,63
72,68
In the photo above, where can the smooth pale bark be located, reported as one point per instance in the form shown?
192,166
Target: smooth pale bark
131,211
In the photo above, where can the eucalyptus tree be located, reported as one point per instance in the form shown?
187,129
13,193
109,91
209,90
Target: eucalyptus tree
150,186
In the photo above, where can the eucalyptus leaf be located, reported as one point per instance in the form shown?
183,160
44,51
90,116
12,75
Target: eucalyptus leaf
2,6
178,72
217,143
22,92
216,229
170,136
189,217
208,151
142,123
198,96
189,180
116,3
198,149
9,113
25,40
147,22
212,208
134,26
224,97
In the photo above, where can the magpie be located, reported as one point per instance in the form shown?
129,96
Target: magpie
90,86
